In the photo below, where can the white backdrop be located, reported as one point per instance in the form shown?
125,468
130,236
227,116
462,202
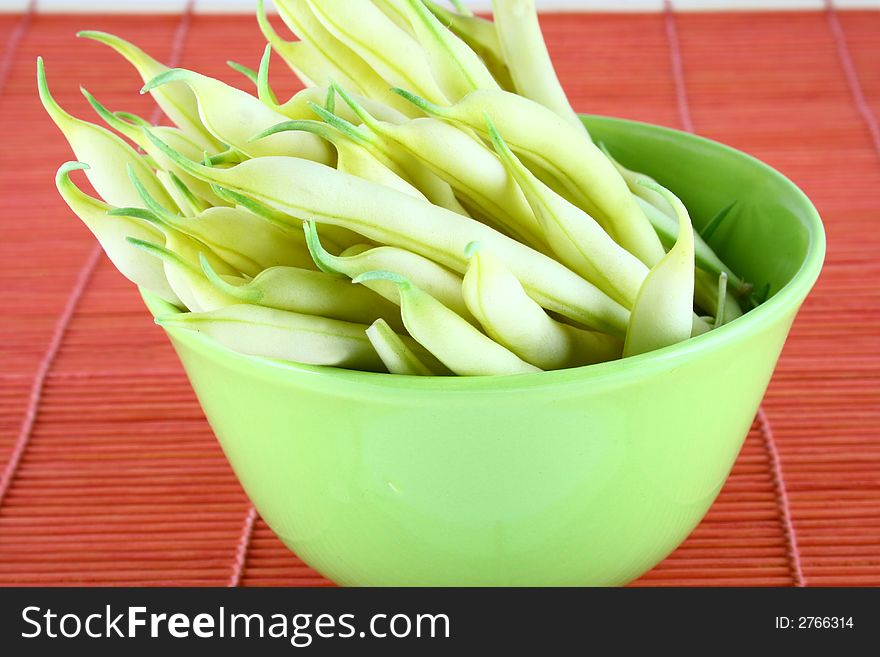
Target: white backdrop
550,5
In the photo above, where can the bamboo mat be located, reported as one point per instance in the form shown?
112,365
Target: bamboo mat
110,474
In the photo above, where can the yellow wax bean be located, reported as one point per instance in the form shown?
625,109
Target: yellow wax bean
516,22
387,49
351,70
449,337
187,281
663,312
225,158
106,154
186,247
316,73
141,269
187,203
177,102
705,256
283,335
306,291
197,204
309,191
339,238
352,156
633,181
435,279
174,137
395,10
511,318
471,170
575,237
303,58
398,358
481,36
299,107
234,116
457,69
353,250
553,144
434,188
247,242
662,218
338,57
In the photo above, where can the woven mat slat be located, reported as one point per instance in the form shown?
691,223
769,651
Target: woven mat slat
111,492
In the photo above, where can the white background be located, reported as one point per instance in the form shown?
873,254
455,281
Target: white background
216,6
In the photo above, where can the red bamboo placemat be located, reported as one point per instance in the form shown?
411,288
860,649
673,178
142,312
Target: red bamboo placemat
110,474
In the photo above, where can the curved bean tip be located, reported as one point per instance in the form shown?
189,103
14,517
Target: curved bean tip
335,121
425,105
355,106
99,107
333,84
43,84
325,114
472,249
235,291
152,204
65,169
165,77
96,35
275,129
246,71
177,320
157,251
263,71
135,213
142,244
180,160
319,254
401,281
133,119
222,193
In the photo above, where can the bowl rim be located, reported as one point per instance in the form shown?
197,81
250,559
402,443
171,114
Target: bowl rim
787,299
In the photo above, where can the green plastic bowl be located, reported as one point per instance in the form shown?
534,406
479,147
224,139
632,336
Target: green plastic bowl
586,476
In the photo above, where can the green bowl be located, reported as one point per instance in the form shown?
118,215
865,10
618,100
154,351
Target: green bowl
586,476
